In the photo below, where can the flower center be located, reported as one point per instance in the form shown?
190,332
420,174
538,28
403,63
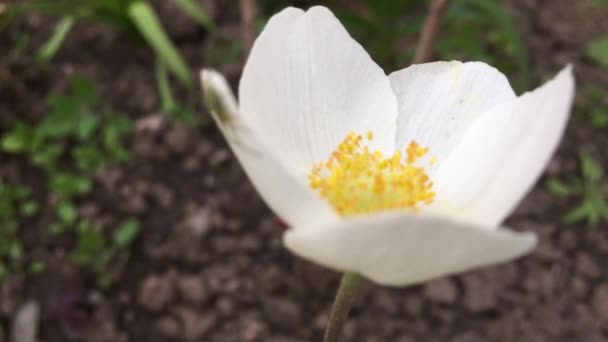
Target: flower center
355,180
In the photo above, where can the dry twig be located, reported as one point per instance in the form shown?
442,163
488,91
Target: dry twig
424,50
249,12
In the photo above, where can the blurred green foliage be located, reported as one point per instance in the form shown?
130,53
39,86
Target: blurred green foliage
72,130
597,106
135,17
384,27
597,50
16,206
74,140
484,30
597,3
588,187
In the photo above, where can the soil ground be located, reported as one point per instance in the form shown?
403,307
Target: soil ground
209,265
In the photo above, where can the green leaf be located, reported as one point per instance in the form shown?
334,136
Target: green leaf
88,157
67,185
36,267
84,91
47,155
602,4
57,228
63,119
196,12
29,208
17,140
594,93
148,24
558,188
50,48
90,243
580,213
119,123
15,251
167,102
115,127
597,50
3,271
71,115
67,212
87,126
126,233
602,207
21,192
599,117
185,115
591,170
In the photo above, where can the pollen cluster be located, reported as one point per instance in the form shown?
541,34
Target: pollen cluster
355,180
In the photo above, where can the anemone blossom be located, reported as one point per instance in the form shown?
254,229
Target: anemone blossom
400,178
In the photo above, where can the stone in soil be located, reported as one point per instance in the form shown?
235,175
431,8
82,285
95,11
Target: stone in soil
225,306
282,312
441,290
579,287
26,322
199,221
103,327
192,289
133,202
168,326
253,330
405,338
161,194
568,239
599,301
218,157
469,336
547,250
156,291
413,305
479,294
587,265
181,138
386,303
195,324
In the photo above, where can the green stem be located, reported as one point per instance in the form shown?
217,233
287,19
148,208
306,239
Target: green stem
341,307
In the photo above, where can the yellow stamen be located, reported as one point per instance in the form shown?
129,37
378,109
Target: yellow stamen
355,180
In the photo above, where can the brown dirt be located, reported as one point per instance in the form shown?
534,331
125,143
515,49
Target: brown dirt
210,266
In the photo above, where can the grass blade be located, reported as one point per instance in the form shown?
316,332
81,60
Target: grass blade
149,26
167,102
196,12
50,48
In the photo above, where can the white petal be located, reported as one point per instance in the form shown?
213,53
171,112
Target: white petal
502,155
284,194
307,83
402,249
439,100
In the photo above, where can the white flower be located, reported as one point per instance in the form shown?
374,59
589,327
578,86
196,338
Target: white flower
401,178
